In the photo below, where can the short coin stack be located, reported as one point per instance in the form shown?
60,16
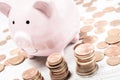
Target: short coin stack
32,74
58,67
85,59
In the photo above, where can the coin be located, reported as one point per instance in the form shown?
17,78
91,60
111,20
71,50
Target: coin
99,56
54,59
115,22
83,49
5,30
2,57
2,67
30,73
101,23
113,61
8,37
87,28
98,14
112,39
16,60
114,32
3,42
118,10
112,51
91,9
102,45
108,9
90,39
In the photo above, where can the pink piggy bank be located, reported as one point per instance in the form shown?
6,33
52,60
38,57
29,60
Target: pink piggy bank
42,27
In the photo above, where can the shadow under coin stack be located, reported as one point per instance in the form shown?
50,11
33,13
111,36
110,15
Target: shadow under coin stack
32,74
58,67
85,59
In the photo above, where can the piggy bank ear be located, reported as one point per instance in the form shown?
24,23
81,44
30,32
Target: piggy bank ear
43,7
5,8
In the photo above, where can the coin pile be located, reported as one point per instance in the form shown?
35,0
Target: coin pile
58,67
32,74
85,59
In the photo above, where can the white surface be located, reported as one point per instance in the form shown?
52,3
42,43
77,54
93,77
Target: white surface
105,72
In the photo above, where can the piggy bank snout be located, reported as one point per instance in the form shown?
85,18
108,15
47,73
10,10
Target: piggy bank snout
22,39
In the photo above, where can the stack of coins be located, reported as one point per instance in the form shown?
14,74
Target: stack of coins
32,74
85,59
58,67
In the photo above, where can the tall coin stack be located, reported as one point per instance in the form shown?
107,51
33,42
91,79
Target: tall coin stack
32,74
57,66
85,59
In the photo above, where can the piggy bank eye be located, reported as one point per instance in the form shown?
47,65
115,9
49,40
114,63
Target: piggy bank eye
27,22
13,22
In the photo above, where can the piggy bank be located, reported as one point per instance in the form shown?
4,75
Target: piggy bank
42,27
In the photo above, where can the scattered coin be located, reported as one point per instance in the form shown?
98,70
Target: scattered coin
86,28
113,61
112,39
102,45
99,30
79,1
108,9
5,30
8,37
115,22
2,67
98,14
87,4
16,60
90,39
2,57
101,23
91,9
88,21
118,10
6,63
112,51
99,56
3,42
114,32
